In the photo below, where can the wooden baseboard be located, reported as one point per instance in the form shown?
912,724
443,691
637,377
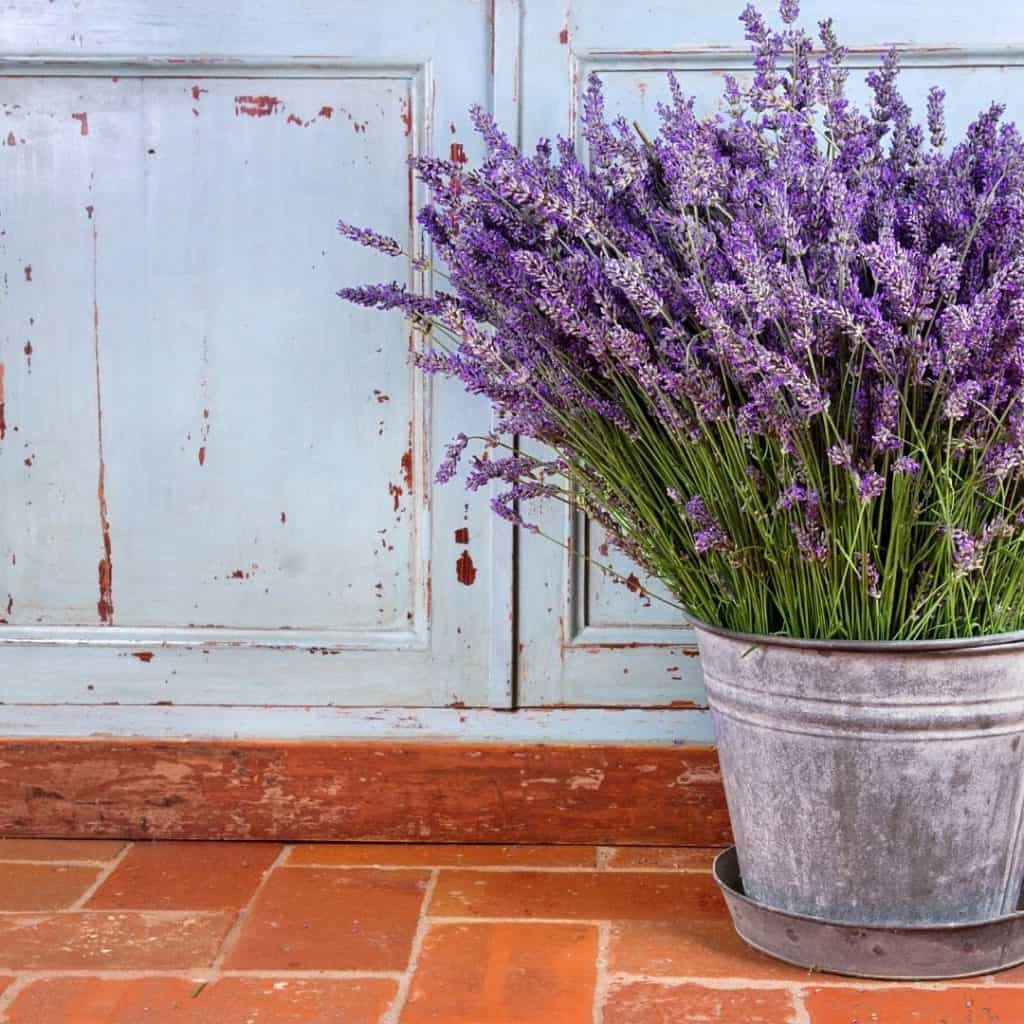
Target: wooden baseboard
383,791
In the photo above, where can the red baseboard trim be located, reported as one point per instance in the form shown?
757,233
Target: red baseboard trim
361,791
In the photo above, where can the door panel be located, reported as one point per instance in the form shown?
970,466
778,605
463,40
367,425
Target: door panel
586,638
217,476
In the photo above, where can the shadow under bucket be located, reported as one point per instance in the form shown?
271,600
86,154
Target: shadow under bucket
874,785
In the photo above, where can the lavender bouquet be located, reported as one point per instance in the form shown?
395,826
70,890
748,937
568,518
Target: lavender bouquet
776,353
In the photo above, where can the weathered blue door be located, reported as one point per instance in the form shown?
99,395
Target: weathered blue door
584,638
217,477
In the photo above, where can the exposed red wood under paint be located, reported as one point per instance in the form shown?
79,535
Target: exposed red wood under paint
407,116
28,354
492,24
462,535
256,106
396,493
294,119
327,112
105,568
362,790
146,656
11,140
563,36
457,153
202,455
83,120
407,469
465,570
197,92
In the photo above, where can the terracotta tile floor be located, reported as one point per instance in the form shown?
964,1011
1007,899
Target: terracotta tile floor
261,933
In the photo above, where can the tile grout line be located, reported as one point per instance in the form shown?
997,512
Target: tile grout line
822,980
801,1015
602,978
498,869
394,1012
11,993
70,863
231,939
79,904
194,974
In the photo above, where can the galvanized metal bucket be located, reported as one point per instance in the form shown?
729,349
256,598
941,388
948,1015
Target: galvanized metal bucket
873,784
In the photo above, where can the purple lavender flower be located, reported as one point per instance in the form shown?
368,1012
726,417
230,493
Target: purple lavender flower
782,305
870,485
906,466
452,454
371,239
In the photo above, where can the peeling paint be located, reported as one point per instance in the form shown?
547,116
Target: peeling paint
197,92
28,354
202,455
3,421
406,469
327,112
256,106
457,153
83,120
105,568
563,36
465,570
462,535
11,140
396,492
146,656
407,116
28,272
294,119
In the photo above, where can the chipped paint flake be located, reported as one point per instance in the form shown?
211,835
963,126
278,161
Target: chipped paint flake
407,469
83,121
590,779
457,153
462,535
396,493
465,570
105,568
256,106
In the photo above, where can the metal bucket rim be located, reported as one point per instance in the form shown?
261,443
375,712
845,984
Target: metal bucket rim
975,644
731,853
